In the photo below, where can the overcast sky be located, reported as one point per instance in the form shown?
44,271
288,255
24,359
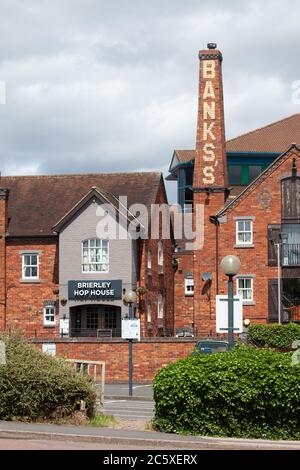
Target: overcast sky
94,85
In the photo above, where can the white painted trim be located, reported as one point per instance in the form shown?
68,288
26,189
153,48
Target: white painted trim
30,278
237,231
245,276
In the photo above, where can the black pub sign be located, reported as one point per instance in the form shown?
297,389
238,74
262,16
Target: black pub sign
95,290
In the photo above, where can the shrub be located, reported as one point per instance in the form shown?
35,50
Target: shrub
247,392
274,336
34,385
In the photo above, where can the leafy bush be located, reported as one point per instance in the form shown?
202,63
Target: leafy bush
34,385
274,336
247,392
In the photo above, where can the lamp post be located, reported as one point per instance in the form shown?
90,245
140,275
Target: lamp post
130,298
230,266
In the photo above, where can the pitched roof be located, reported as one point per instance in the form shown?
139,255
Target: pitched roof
185,156
37,203
273,138
293,149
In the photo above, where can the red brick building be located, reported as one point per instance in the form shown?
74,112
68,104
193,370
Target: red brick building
249,189
58,276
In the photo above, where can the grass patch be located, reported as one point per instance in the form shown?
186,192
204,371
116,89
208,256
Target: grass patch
101,421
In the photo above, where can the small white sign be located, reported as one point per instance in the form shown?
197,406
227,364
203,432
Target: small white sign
49,348
131,329
64,326
222,314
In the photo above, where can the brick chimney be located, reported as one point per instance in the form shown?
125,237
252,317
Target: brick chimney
210,162
210,184
3,228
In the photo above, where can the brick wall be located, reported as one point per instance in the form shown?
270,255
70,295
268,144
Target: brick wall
156,282
254,260
25,301
148,355
183,305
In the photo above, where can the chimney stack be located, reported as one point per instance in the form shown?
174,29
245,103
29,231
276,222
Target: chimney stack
210,185
210,162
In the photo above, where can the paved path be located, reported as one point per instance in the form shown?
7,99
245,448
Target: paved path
132,409
140,391
47,444
137,439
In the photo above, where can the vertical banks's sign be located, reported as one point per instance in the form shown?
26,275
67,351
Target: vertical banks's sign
209,118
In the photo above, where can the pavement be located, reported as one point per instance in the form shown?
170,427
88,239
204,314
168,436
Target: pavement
121,391
133,438
129,409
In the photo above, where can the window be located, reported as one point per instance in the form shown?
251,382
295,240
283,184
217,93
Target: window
49,315
110,317
235,174
92,318
160,307
149,262
245,288
254,171
30,266
244,232
189,287
160,254
149,316
95,256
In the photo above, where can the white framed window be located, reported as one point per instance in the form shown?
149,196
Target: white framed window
149,258
245,288
49,315
160,306
30,266
244,232
189,287
95,255
149,312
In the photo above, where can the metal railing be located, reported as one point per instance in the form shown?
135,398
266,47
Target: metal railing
95,332
96,370
291,309
291,254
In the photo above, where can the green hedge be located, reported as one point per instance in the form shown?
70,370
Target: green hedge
274,336
34,385
247,392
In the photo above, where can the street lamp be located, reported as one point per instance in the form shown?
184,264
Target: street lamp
130,298
230,266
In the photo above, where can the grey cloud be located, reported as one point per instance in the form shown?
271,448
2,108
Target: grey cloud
112,86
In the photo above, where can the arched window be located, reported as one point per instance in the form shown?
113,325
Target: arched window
160,254
95,255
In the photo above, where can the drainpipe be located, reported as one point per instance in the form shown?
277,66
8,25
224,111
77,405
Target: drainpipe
215,221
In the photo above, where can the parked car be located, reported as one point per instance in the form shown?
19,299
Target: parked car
208,346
